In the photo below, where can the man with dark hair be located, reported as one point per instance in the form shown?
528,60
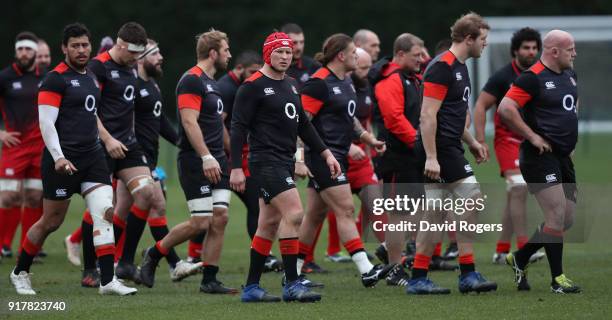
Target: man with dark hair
20,184
302,66
115,72
525,46
548,95
202,163
150,123
73,161
446,91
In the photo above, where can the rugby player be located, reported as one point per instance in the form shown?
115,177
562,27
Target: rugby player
73,161
548,96
126,160
525,46
329,98
446,91
20,184
269,110
150,123
202,163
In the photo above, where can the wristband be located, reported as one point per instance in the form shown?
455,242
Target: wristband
299,155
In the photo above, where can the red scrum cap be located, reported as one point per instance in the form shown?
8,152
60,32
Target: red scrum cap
274,41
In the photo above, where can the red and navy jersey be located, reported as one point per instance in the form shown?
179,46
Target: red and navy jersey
197,91
18,92
228,85
271,113
332,102
365,102
548,100
302,69
150,122
447,79
399,101
77,96
497,85
118,85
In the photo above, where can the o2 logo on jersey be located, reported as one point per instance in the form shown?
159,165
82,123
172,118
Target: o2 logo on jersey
291,111
128,94
351,107
157,108
219,106
466,94
90,103
569,103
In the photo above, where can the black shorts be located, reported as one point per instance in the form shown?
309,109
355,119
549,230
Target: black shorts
547,169
272,178
134,157
453,164
322,176
91,168
151,158
193,181
402,175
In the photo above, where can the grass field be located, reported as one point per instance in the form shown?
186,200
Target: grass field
586,263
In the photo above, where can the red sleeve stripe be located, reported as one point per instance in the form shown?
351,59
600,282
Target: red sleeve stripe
435,90
189,101
311,104
49,98
519,95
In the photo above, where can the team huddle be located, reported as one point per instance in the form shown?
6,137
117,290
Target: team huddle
346,120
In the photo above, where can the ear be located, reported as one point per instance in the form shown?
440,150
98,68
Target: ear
341,56
64,49
212,53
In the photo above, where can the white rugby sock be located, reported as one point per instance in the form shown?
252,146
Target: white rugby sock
299,264
363,263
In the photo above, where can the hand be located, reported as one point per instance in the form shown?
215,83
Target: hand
379,146
237,180
301,170
332,163
115,148
486,147
212,170
10,139
63,166
479,152
540,143
356,153
432,169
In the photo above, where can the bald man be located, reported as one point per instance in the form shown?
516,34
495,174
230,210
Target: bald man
43,55
548,96
368,41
